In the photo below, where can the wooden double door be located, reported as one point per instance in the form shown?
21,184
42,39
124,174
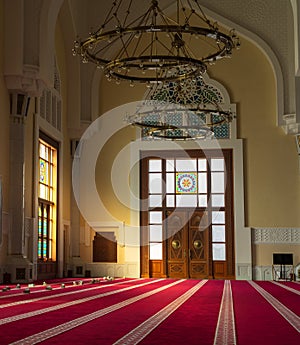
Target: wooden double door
188,253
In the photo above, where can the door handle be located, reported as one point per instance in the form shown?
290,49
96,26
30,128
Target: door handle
184,253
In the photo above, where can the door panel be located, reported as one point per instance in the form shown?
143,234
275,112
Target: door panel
198,253
198,233
177,245
187,245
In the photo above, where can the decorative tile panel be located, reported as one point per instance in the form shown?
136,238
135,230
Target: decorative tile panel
276,235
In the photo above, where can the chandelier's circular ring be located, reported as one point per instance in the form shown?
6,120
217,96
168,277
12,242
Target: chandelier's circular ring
213,34
178,64
224,117
185,135
165,126
162,67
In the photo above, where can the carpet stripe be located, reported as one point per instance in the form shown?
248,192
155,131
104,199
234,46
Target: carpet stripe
68,304
38,289
49,333
225,330
66,293
287,288
287,314
140,332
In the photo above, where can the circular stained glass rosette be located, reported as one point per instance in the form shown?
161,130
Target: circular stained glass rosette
186,183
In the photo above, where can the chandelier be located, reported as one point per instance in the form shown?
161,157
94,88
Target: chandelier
185,110
154,47
162,120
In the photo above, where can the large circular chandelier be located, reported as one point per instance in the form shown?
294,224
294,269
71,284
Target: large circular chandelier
153,47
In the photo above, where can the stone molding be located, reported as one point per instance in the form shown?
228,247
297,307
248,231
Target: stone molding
243,271
128,269
291,126
28,83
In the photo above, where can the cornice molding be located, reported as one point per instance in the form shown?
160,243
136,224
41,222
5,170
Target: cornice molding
28,82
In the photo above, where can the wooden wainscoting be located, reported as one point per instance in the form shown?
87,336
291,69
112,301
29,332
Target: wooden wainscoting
156,269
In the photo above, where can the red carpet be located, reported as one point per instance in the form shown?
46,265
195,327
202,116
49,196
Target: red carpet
149,311
257,321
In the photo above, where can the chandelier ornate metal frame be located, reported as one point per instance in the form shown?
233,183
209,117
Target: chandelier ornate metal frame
153,47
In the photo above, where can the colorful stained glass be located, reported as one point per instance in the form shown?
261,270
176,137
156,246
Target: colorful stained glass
45,248
47,184
186,183
43,171
39,249
40,227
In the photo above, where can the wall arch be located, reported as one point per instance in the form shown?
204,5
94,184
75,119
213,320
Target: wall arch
48,19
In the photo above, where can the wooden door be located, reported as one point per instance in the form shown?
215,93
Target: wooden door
177,245
188,245
199,246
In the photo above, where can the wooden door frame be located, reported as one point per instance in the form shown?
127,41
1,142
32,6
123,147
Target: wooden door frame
158,268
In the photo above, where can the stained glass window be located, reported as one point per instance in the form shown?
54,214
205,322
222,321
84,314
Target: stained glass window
47,200
190,92
186,183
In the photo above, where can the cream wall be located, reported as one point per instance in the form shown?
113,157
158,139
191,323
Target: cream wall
263,252
271,172
272,179
103,176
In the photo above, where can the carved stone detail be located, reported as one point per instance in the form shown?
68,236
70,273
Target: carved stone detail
290,124
276,235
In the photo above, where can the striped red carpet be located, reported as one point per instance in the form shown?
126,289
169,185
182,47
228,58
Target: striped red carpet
152,311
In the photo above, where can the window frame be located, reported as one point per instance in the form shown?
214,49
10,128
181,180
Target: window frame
47,228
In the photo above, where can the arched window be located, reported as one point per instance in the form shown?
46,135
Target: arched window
193,93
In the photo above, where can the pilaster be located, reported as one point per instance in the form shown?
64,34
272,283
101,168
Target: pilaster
18,266
75,224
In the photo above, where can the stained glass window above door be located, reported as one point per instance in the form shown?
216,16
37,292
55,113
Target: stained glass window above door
194,94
